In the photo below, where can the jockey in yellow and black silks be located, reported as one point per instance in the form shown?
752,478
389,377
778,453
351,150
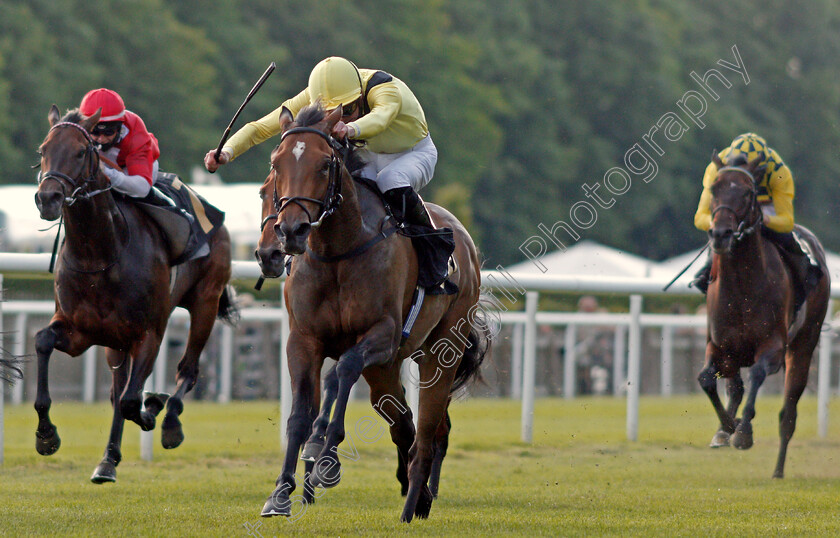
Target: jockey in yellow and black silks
775,195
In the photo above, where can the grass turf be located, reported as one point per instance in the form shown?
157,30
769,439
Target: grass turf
580,477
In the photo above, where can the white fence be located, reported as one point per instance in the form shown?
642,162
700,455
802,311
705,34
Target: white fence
513,287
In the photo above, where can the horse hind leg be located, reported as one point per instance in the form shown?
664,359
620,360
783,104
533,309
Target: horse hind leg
202,318
441,446
796,377
106,471
768,362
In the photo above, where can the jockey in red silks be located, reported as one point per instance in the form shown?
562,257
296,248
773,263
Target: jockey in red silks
124,140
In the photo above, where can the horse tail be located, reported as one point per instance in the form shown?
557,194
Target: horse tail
228,308
478,344
10,367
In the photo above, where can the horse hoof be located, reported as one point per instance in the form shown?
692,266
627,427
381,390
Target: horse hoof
172,435
154,402
277,504
742,440
424,504
47,444
312,449
104,472
326,473
721,439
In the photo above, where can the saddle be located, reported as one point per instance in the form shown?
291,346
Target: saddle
804,269
187,238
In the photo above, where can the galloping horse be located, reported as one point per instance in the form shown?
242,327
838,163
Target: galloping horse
114,287
751,322
350,289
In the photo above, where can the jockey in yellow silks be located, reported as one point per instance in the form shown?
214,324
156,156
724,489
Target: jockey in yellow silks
775,194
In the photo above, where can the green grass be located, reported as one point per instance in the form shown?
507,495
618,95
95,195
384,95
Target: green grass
580,477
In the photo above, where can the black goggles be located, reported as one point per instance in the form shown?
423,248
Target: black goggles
348,110
105,129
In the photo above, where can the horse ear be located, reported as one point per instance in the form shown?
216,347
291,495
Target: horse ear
716,159
54,115
285,119
333,117
90,122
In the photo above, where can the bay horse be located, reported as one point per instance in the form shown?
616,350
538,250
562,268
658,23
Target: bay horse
750,300
350,288
114,287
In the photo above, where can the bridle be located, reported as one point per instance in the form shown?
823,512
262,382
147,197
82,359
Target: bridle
332,197
743,228
91,155
79,192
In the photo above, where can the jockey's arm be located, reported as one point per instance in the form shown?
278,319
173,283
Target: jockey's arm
703,216
385,101
136,186
782,192
257,132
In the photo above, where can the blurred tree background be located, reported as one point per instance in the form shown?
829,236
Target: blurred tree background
527,100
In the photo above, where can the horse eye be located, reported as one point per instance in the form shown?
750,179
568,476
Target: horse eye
81,154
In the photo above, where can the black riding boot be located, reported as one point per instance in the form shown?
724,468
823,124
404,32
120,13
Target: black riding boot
701,279
407,206
157,198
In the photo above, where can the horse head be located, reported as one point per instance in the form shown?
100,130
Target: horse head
69,163
302,188
734,207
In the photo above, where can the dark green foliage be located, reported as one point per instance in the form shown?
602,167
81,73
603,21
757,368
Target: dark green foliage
527,100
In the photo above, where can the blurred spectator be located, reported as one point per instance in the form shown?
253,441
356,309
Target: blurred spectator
594,352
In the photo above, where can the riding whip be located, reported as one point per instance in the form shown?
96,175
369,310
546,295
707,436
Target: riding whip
251,94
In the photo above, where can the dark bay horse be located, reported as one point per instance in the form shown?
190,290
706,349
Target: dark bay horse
114,287
350,289
751,321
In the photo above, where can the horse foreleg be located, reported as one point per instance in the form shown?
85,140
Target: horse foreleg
796,377
106,471
708,381
769,362
315,443
142,360
47,440
377,347
305,371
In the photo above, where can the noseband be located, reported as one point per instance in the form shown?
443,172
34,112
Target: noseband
91,155
332,197
743,229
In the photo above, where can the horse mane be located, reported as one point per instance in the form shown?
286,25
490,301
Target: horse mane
314,114
73,116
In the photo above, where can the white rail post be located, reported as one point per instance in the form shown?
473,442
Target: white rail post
667,358
570,362
89,383
226,367
285,378
824,375
529,367
410,376
19,351
634,356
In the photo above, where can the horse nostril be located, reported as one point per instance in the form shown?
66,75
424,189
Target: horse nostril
302,229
